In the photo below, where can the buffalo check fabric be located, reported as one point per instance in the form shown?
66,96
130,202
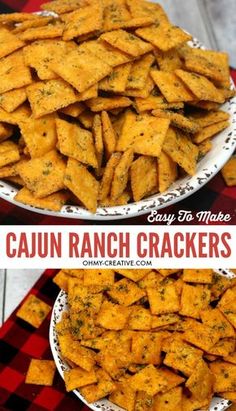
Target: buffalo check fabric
19,342
214,196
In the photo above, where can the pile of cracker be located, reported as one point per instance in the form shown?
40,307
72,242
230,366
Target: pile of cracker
149,340
104,102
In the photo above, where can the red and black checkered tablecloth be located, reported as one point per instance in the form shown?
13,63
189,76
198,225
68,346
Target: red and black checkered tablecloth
215,196
19,342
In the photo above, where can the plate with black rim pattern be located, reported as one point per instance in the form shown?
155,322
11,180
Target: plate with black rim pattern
223,146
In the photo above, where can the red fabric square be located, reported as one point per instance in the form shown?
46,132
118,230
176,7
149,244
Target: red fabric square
11,379
35,346
46,394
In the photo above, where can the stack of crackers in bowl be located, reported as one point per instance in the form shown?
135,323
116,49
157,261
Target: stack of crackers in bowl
104,103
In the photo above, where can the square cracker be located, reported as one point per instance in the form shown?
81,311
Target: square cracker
127,42
63,6
49,96
11,100
167,171
9,153
83,21
73,110
41,372
144,177
108,134
169,401
143,133
125,292
116,82
16,17
123,396
43,175
139,72
104,278
149,379
181,150
76,142
201,381
82,183
33,311
40,135
121,174
140,319
101,389
11,65
146,348
77,377
202,276
200,86
113,316
9,42
216,320
229,172
163,299
173,89
46,32
164,36
41,54
37,22
204,119
140,8
225,376
182,356
194,299
106,52
98,141
168,60
81,69
201,336
52,202
210,131
108,103
212,64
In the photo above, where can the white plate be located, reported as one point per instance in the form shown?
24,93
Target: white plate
60,306
223,147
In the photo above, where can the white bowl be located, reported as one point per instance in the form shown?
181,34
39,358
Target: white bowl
223,146
60,306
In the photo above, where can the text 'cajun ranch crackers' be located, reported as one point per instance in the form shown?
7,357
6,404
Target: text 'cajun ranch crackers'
104,103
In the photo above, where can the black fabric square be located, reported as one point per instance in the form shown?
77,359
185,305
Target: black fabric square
7,352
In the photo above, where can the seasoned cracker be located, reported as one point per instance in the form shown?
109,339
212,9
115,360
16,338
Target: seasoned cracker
104,387
167,171
125,292
113,316
127,42
11,100
52,202
164,36
98,141
181,150
63,6
83,21
81,69
120,177
108,103
182,356
77,377
75,142
44,175
173,89
41,372
36,22
9,153
40,135
11,65
73,110
87,189
106,52
139,72
202,276
169,401
210,131
200,86
116,82
9,42
168,60
163,299
50,96
108,135
194,299
38,33
33,311
201,381
144,177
